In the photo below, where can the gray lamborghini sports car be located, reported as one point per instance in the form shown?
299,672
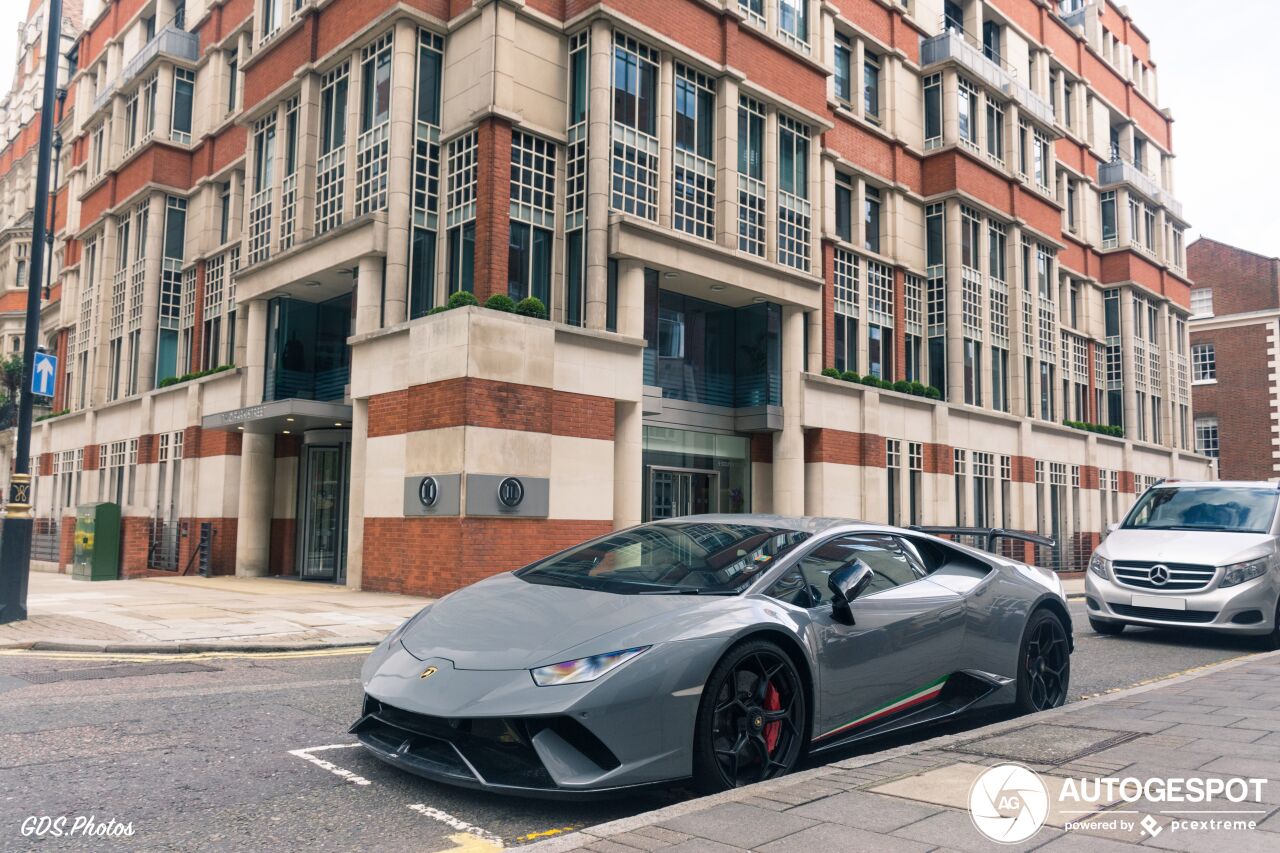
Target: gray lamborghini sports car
717,649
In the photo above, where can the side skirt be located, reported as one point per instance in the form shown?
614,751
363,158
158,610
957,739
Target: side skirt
947,697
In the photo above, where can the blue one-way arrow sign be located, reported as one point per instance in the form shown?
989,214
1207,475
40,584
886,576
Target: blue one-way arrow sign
42,377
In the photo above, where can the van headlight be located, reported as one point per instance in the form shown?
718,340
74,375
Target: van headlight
1241,572
1100,566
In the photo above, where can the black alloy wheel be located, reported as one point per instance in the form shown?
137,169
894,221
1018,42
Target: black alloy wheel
1044,665
751,721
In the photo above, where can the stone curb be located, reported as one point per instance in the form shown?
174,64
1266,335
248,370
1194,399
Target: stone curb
582,838
91,646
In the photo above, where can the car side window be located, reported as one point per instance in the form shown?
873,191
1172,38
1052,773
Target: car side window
807,585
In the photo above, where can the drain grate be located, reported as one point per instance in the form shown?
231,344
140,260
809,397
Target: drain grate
1044,744
94,673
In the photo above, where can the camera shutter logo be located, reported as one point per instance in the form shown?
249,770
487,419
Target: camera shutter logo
428,491
1158,574
1008,803
510,492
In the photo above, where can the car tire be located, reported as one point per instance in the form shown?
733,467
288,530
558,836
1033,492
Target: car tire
1109,629
752,721
1271,642
1044,663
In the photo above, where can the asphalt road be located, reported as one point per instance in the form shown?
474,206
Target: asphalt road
251,752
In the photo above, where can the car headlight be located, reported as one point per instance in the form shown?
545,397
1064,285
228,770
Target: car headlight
1241,572
583,669
1100,565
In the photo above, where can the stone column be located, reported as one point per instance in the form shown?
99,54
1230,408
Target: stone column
369,282
146,379
600,76
308,149
628,463
400,171
255,359
666,139
253,522
355,492
788,445
955,304
727,162
1127,373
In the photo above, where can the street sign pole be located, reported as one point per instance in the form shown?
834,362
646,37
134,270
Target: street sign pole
15,532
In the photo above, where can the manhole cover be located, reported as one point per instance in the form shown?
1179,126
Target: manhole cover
121,671
1044,744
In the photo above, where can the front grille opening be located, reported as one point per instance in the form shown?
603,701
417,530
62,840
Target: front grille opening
1182,577
580,738
1247,617
1159,613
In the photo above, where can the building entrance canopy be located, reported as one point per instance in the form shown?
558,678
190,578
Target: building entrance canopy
292,415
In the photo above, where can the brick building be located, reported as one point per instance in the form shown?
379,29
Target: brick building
716,201
1235,358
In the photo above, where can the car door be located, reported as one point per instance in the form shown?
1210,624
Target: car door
906,633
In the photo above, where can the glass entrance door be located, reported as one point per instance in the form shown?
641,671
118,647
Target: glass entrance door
674,492
323,548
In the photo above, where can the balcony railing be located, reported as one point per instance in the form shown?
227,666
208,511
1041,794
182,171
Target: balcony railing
170,41
1120,171
953,44
104,96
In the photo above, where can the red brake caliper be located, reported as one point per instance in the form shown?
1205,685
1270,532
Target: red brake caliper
772,702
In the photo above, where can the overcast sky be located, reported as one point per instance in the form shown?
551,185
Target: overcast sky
1217,74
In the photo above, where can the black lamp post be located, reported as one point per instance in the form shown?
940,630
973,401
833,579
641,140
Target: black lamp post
15,530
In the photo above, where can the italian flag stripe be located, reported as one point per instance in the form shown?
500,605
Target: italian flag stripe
900,704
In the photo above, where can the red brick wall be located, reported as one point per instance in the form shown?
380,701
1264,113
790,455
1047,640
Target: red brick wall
434,556
66,543
1241,281
134,540
484,402
1240,400
493,206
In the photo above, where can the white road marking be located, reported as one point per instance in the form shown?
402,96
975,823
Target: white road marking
305,755
488,840
456,823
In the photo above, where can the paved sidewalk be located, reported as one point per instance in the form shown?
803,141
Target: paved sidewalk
201,614
1220,723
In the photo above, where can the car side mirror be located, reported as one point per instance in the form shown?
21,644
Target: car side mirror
846,584
1112,528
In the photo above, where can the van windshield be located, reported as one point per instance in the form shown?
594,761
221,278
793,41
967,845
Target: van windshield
1231,509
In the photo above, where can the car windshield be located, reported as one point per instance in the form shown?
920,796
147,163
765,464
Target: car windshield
1233,509
694,557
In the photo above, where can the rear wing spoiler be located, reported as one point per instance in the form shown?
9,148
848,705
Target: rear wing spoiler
989,534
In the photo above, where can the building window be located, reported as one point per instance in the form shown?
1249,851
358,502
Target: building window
933,111
575,202
1043,158
694,195
871,86
1204,367
843,68
844,207
1110,228
872,218
845,289
893,471
915,477
995,131
184,84
1201,302
373,143
880,320
264,161
426,175
289,184
635,128
533,217
460,218
794,209
271,17
793,21
224,212
331,167
751,186
233,80
174,246
966,112
1207,436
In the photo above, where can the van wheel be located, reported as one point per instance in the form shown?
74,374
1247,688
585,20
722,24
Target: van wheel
1271,642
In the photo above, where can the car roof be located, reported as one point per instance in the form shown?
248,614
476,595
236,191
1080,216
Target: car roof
808,524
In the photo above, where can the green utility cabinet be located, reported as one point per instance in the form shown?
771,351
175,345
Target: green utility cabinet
97,544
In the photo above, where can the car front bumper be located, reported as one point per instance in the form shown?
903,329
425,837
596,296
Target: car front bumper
496,730
1248,608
